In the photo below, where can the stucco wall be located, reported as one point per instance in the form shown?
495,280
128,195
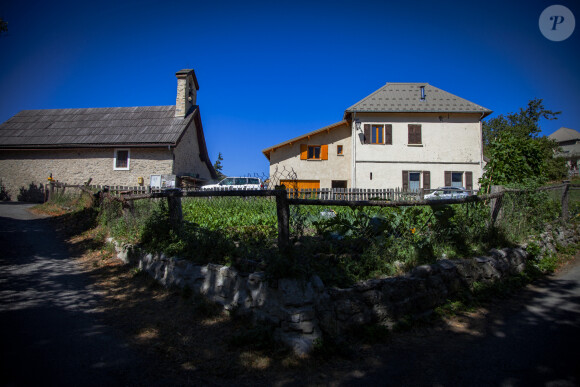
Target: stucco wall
187,161
19,168
335,168
449,142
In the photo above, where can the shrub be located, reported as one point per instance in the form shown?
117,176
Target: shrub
4,194
33,194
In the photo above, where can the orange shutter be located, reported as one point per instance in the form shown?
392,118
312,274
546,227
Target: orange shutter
324,152
303,151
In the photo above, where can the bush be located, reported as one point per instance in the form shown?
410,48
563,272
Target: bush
33,194
4,194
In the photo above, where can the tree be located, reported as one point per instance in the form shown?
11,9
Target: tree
218,167
3,26
517,155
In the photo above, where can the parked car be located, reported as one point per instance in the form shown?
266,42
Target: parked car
236,183
447,193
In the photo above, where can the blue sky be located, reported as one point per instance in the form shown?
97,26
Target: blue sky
271,71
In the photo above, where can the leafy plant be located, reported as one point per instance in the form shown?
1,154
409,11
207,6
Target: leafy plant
4,194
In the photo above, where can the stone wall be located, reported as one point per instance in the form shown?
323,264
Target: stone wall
302,310
187,156
20,168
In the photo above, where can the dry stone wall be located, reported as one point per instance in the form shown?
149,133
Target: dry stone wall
301,310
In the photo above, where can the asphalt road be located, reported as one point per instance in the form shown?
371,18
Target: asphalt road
50,332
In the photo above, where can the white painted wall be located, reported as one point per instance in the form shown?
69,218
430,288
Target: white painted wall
450,142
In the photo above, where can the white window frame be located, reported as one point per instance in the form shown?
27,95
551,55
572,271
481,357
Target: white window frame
420,180
128,160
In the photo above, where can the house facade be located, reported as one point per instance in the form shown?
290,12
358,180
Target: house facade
569,142
407,135
121,146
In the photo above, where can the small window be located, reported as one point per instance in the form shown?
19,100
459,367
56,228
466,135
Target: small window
414,134
314,152
457,179
377,134
339,150
121,159
414,181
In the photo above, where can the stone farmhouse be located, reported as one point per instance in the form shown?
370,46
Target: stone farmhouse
120,146
404,135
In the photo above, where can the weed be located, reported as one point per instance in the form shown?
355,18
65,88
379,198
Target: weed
204,308
328,347
258,337
4,194
137,271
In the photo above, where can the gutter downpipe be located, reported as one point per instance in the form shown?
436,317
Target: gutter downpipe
354,134
481,139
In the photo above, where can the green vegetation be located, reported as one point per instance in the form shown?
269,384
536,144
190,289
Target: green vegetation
218,166
341,245
4,194
516,152
3,26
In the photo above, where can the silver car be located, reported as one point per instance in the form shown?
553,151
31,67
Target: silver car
236,183
447,193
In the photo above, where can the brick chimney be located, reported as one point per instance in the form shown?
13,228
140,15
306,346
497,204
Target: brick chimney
187,88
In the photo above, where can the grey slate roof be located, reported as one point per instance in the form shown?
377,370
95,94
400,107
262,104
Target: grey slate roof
137,126
565,134
406,97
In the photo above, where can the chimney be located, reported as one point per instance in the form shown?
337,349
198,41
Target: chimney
187,88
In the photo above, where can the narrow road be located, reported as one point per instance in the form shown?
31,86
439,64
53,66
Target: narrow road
50,333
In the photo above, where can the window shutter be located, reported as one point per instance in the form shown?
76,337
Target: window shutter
367,134
469,180
303,152
388,134
405,180
324,152
447,178
414,134
426,180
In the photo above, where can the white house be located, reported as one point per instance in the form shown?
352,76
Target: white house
408,135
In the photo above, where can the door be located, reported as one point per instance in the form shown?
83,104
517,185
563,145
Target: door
301,187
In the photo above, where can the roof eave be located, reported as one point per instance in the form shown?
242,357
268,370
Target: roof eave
486,112
75,146
267,151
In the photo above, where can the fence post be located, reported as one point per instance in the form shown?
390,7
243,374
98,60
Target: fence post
175,211
565,196
496,203
283,212
50,190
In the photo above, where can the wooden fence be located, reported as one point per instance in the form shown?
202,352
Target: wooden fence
285,198
350,194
